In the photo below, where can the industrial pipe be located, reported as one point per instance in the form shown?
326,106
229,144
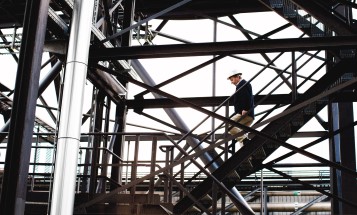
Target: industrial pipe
71,110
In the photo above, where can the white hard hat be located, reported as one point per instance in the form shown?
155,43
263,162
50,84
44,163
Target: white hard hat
233,72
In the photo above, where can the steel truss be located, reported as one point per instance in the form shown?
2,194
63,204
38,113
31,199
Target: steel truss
109,178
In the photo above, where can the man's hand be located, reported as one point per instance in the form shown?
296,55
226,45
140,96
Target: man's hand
244,112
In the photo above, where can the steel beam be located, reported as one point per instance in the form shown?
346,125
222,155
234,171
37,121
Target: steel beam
224,48
13,195
108,85
138,103
283,99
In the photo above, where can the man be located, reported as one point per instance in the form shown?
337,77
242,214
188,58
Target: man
243,101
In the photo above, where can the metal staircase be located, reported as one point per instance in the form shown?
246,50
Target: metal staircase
298,17
312,18
260,147
249,159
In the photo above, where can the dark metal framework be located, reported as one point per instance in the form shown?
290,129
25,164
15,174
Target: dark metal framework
328,36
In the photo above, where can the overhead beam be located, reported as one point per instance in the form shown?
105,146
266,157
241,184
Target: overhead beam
216,101
200,101
224,48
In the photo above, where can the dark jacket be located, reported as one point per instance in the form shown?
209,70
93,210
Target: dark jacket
244,99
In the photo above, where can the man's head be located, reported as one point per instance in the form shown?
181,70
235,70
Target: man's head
234,76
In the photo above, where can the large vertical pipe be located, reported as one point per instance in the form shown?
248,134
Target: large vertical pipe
71,108
13,195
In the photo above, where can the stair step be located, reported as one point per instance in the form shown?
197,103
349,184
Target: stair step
348,75
276,3
259,154
317,30
298,120
271,144
322,101
206,199
285,131
193,209
232,177
300,18
303,21
289,9
246,165
310,109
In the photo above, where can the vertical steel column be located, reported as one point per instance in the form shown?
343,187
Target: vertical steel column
342,150
18,152
117,144
71,109
166,178
266,212
214,66
182,178
134,173
105,155
97,139
129,6
134,165
343,146
334,142
171,173
293,77
85,187
152,169
348,157
214,198
261,192
348,185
